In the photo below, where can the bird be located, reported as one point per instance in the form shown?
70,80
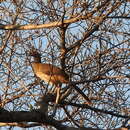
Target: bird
49,73
53,75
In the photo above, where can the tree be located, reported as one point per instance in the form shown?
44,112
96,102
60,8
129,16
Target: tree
89,39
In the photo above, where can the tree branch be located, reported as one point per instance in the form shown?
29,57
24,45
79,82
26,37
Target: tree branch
85,106
37,116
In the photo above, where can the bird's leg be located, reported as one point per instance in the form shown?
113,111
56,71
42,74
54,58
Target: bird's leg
57,100
58,95
53,89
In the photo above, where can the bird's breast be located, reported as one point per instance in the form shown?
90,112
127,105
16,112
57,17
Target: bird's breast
44,77
50,74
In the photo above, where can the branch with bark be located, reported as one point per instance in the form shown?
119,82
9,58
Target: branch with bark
16,118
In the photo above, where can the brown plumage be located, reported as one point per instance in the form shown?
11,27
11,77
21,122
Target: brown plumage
51,74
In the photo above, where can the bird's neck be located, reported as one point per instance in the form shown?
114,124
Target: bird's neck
37,59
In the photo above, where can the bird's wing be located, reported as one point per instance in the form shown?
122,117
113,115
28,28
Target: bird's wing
51,70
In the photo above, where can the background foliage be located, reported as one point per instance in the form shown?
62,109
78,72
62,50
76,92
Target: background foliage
89,39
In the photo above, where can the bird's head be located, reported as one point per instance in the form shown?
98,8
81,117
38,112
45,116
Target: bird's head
36,54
